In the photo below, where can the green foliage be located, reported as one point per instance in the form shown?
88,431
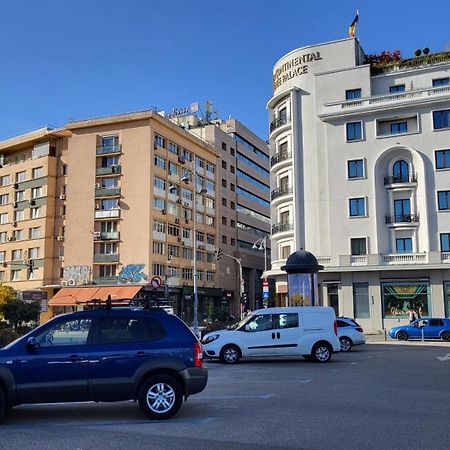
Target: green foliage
7,335
19,313
7,294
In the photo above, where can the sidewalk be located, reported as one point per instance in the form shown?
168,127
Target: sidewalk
386,339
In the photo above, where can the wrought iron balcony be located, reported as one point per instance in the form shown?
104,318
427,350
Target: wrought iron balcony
285,190
282,156
279,122
104,149
281,227
403,218
108,170
412,178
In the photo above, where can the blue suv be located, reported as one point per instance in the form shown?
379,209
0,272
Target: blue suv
109,354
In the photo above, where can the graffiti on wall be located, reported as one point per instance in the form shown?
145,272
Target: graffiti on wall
75,276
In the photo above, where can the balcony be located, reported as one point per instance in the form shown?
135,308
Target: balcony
107,192
106,280
282,227
109,149
107,213
99,171
404,258
279,122
445,257
402,219
106,235
279,192
282,156
106,258
404,179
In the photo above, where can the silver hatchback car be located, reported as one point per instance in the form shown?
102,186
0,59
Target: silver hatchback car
350,333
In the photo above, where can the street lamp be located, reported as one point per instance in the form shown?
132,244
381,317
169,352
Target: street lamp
186,178
261,244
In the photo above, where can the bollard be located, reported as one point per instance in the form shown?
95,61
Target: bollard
422,336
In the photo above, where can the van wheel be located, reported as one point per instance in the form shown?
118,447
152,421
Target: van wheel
346,344
2,404
321,353
230,354
160,397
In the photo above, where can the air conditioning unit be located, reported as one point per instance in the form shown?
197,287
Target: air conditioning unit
97,206
31,202
185,204
15,205
201,247
11,238
155,146
163,211
179,201
97,185
61,258
62,197
16,185
177,220
14,224
60,237
180,240
4,264
181,160
97,234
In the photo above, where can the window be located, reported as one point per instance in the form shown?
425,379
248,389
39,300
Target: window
158,269
4,180
399,127
232,169
233,241
403,245
187,253
187,274
16,255
33,253
173,251
160,162
233,224
186,154
351,94
440,82
224,220
211,168
20,196
358,246
3,218
3,236
72,332
252,197
18,235
357,207
159,203
232,205
402,209
232,187
281,321
355,168
285,251
110,204
159,183
4,199
442,159
262,322
173,148
35,212
443,200
400,171
35,232
36,192
158,248
445,242
224,165
224,146
224,239
231,151
160,141
2,256
224,183
209,276
396,88
107,271
224,202
246,177
38,172
2,275
173,230
361,300
15,275
20,176
354,131
441,119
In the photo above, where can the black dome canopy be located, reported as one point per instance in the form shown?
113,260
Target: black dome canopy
302,262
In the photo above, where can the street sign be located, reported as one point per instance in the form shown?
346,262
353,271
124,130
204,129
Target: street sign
265,295
156,281
265,283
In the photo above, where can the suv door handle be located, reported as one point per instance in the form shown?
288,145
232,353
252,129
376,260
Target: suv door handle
141,354
74,358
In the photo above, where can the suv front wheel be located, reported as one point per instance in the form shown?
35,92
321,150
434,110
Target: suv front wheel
160,397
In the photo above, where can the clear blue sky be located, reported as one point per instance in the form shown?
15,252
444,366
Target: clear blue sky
75,59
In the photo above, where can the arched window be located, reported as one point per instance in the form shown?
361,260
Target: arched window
400,172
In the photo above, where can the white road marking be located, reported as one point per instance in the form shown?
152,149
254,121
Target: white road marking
444,358
214,397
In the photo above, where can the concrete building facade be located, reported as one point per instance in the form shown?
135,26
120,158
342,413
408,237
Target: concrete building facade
360,166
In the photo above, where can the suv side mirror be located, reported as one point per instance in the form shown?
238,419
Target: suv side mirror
31,343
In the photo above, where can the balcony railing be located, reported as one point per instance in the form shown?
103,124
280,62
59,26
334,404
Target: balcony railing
107,213
445,257
404,258
108,170
412,178
106,236
279,122
285,190
106,257
106,280
107,192
282,156
404,218
281,227
101,150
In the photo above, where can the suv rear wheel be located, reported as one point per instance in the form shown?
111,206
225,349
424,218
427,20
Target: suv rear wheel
346,344
445,336
2,404
321,353
160,397
402,336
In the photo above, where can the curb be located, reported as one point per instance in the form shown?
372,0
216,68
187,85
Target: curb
417,343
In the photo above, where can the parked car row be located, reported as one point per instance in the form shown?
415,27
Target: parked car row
423,328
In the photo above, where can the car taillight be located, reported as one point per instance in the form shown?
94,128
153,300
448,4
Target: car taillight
198,355
359,329
335,327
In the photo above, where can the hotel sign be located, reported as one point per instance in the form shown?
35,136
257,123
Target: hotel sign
293,68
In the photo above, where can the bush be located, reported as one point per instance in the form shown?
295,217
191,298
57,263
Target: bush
7,335
22,330
4,324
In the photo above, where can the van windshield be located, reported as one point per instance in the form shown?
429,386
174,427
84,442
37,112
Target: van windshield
241,323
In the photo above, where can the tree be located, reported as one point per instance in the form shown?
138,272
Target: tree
19,313
7,293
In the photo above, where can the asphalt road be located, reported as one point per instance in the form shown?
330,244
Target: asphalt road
376,397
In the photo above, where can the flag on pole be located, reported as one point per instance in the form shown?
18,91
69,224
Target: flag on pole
352,27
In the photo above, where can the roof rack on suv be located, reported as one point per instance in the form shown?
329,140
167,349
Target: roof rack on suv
110,303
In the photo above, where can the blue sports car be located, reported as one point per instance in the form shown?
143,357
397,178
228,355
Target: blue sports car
428,327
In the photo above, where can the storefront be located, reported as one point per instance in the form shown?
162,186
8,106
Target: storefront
400,298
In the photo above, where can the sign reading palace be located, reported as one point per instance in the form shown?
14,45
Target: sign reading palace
293,68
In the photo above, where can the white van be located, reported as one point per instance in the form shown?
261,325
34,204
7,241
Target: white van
308,331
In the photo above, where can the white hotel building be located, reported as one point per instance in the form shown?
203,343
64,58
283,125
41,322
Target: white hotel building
360,177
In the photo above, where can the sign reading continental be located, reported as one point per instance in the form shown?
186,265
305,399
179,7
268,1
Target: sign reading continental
293,68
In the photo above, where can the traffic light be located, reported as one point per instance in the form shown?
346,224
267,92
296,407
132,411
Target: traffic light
219,253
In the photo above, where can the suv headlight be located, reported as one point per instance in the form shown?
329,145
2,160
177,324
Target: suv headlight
210,338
